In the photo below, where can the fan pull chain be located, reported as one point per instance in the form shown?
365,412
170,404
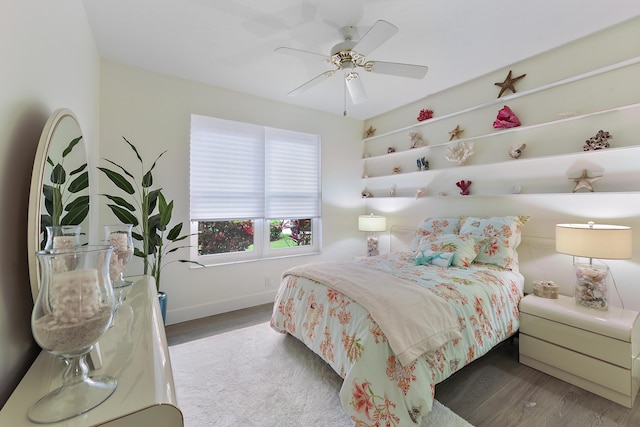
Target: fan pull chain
344,97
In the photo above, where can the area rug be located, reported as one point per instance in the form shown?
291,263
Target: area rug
257,377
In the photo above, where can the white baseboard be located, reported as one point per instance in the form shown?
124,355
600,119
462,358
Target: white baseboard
218,307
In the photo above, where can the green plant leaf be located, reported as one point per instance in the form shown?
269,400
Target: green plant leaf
78,170
120,202
72,144
75,216
80,183
123,215
153,198
120,181
58,175
165,210
133,147
80,201
175,232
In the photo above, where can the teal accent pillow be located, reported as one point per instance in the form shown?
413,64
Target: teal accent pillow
432,227
498,238
464,247
440,259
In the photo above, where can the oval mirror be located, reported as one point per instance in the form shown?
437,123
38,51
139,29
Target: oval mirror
59,192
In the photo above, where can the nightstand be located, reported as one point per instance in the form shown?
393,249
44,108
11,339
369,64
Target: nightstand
594,350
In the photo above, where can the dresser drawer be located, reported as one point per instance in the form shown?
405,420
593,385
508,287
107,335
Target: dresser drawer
593,370
595,345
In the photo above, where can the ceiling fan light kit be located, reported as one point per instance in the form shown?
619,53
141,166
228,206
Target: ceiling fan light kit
350,55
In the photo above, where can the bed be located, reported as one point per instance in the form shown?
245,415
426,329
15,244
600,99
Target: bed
394,325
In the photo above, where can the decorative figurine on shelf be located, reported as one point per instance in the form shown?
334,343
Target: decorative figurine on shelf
516,151
370,132
392,191
425,114
507,84
455,134
464,187
397,169
423,164
391,150
506,119
599,141
416,140
421,192
366,194
584,181
460,152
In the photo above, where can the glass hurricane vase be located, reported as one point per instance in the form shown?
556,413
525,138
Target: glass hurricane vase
63,236
73,310
119,236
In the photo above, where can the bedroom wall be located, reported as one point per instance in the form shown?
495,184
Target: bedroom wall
153,112
49,61
537,253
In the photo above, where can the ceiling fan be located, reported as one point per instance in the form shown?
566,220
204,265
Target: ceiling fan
349,55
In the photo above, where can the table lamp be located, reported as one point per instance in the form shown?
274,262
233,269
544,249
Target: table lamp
593,240
372,223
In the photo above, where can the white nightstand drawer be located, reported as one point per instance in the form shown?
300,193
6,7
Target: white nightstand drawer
599,372
591,344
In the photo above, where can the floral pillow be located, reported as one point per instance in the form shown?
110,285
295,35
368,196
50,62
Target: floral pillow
464,247
498,238
435,227
440,259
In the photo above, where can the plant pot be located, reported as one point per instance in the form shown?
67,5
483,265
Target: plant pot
162,299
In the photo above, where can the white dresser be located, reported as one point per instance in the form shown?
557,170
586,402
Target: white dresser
134,351
595,350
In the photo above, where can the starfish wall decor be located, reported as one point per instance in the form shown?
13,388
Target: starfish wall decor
584,181
455,134
507,84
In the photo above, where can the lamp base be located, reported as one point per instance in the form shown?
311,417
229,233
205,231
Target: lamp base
372,246
592,286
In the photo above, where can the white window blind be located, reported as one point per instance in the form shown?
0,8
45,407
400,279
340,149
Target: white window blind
244,171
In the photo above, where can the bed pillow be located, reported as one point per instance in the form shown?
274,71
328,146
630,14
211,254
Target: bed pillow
434,227
497,236
464,247
428,257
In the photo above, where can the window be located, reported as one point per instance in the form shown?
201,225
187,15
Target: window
255,191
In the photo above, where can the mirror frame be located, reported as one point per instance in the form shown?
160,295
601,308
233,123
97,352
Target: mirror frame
36,199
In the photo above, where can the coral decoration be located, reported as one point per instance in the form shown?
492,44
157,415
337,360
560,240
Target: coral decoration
416,140
506,119
464,187
598,142
507,84
460,152
455,134
425,114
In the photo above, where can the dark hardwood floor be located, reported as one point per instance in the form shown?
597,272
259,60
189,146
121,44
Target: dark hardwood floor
494,391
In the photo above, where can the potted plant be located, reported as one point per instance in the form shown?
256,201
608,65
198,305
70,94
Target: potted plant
61,209
150,213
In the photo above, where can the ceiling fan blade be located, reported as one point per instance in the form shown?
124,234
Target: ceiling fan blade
355,87
301,53
397,69
379,33
311,83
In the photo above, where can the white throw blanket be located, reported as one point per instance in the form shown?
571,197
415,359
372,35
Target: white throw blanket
413,319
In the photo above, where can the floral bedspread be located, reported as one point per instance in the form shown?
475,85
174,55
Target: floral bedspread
377,390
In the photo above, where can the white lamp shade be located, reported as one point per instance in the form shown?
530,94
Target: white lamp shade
372,223
594,240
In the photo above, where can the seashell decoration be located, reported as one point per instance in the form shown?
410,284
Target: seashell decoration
392,191
366,194
516,151
397,169
460,152
421,192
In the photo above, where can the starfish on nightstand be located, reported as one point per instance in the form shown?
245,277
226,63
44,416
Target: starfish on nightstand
455,133
507,84
584,181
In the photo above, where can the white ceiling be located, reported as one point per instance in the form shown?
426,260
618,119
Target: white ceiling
230,43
